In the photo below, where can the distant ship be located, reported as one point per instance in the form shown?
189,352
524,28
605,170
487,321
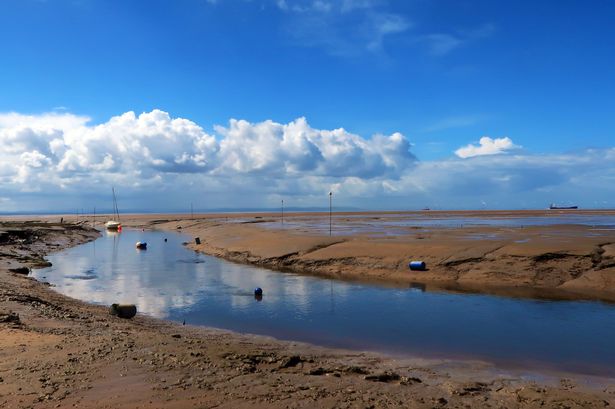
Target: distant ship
554,207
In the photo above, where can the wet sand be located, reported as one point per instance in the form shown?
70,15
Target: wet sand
60,352
567,261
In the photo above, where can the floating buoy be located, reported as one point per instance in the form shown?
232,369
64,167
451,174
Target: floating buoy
417,265
258,291
141,245
123,310
165,239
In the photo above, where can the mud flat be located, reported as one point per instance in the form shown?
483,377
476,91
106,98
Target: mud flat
60,352
525,253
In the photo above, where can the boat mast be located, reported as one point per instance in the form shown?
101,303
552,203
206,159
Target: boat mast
115,209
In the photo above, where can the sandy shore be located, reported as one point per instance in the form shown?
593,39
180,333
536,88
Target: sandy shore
556,261
59,352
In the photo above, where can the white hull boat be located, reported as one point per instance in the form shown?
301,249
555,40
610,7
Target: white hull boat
114,225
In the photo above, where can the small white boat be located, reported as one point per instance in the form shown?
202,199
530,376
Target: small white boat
114,224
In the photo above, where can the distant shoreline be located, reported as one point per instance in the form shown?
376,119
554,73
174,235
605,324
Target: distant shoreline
296,210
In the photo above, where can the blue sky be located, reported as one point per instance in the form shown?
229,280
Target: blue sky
443,74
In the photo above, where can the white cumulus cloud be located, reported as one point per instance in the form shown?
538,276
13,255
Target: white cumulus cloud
487,146
62,151
159,162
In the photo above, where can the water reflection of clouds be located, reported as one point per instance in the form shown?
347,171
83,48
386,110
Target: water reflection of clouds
208,291
169,277
125,276
238,281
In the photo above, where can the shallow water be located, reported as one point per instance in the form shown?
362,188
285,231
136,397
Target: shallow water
172,282
398,224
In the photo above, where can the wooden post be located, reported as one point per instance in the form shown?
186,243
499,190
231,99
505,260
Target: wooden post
330,210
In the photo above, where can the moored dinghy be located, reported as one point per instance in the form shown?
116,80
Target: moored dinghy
114,224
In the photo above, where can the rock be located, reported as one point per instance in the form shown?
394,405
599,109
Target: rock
41,263
355,370
410,380
20,270
10,317
123,310
383,377
317,372
473,389
291,361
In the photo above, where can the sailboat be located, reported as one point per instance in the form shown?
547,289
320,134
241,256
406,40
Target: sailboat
114,224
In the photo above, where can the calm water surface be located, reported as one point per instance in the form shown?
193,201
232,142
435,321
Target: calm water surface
169,281
396,224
